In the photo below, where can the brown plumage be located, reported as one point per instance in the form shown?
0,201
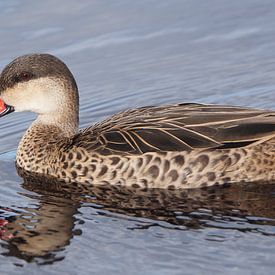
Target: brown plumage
175,146
178,127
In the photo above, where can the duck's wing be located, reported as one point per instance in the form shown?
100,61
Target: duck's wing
177,128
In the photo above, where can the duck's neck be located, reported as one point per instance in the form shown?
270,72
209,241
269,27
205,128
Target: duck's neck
44,138
67,124
56,123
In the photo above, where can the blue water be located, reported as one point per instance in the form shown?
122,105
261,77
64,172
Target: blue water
126,54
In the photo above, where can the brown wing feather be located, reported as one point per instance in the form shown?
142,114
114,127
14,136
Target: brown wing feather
177,128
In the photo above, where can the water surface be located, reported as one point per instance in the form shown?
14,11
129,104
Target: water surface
127,54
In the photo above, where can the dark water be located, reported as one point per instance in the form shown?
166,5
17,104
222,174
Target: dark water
127,54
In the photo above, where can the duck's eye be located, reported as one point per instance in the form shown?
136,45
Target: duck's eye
25,76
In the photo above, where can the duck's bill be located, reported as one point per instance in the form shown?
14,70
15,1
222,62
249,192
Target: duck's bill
5,109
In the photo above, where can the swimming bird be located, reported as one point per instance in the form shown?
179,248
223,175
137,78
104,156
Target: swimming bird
176,146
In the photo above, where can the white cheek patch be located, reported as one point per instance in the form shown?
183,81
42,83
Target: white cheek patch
42,96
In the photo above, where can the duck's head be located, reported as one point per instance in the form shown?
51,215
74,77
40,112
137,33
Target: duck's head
40,83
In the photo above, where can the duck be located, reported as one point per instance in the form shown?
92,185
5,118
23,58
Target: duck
174,146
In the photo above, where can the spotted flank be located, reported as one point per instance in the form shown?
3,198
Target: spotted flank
174,146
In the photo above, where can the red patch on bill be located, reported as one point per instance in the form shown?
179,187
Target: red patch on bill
2,106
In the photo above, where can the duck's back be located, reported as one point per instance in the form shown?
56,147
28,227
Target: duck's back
182,127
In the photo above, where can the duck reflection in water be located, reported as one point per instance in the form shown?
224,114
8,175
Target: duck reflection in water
45,230
40,231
